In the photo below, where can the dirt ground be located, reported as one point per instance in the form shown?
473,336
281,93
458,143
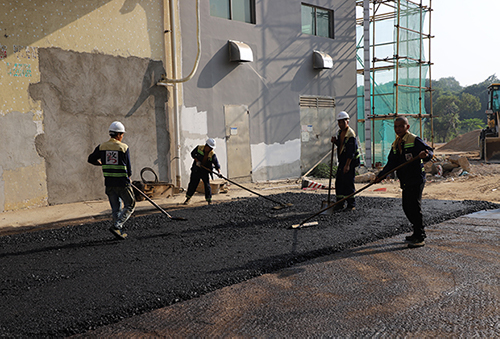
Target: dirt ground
481,183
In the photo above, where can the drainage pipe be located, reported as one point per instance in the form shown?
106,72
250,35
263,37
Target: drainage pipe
174,81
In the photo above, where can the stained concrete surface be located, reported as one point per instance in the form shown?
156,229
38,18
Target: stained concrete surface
74,279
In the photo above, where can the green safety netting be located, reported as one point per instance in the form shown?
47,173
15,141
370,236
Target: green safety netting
406,71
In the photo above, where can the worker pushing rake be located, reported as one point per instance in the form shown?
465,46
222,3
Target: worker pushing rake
204,163
403,156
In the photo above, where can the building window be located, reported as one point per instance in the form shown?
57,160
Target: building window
240,10
317,21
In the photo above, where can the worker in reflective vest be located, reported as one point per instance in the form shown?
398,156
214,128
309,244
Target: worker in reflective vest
114,158
411,177
348,157
204,156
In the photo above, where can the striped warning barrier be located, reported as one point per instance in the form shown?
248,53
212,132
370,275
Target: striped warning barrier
313,185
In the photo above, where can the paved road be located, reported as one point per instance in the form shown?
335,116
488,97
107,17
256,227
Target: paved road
449,288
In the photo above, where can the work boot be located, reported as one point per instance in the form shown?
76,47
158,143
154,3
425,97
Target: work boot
411,238
417,242
337,208
209,201
350,208
119,234
186,202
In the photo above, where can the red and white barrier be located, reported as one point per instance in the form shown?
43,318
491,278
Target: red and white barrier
311,185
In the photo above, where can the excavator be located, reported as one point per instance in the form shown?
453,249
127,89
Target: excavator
489,140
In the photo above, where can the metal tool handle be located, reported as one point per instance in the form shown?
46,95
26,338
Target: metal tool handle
358,191
151,201
240,186
331,172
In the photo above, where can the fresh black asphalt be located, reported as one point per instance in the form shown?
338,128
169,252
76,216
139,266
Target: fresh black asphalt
73,279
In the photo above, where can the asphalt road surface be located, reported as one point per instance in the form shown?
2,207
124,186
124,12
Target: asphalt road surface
73,279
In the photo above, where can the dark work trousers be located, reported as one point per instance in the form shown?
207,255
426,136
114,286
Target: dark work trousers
197,174
412,206
344,185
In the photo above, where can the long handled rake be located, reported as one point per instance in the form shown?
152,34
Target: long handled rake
305,221
281,205
156,205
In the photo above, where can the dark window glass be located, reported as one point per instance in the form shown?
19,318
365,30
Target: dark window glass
219,8
323,23
240,10
308,20
317,21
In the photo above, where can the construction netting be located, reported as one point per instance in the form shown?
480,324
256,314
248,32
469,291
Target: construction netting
397,74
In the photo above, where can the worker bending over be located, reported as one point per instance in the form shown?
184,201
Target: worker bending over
204,163
114,157
411,177
348,156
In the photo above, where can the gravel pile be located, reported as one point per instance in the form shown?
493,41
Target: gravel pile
70,280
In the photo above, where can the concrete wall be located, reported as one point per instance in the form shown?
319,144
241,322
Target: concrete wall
78,111
271,86
67,70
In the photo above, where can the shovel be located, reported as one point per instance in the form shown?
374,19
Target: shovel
156,205
327,203
281,205
305,223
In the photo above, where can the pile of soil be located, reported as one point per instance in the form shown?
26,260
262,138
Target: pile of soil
70,280
467,142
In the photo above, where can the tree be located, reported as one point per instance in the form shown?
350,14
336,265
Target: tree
481,92
468,125
467,105
449,84
447,118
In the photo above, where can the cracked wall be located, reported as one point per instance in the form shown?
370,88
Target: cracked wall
67,70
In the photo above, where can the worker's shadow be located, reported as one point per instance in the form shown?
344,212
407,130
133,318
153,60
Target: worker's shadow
371,249
152,76
83,244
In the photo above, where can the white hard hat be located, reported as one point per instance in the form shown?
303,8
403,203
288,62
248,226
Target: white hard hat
211,142
343,115
117,127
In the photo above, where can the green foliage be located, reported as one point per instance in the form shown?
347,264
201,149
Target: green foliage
481,92
467,105
323,171
446,123
456,109
449,85
469,125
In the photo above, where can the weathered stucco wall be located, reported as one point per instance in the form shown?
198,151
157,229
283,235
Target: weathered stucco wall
92,63
22,170
271,85
78,111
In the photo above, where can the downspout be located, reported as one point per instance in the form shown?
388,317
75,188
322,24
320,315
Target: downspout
174,81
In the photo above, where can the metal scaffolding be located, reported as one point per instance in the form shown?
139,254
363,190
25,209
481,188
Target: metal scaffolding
393,67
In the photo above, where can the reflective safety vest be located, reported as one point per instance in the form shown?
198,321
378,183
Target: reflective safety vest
349,149
115,161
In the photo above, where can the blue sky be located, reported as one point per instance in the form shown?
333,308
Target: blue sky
467,40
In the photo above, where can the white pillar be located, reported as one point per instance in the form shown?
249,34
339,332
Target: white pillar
367,96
